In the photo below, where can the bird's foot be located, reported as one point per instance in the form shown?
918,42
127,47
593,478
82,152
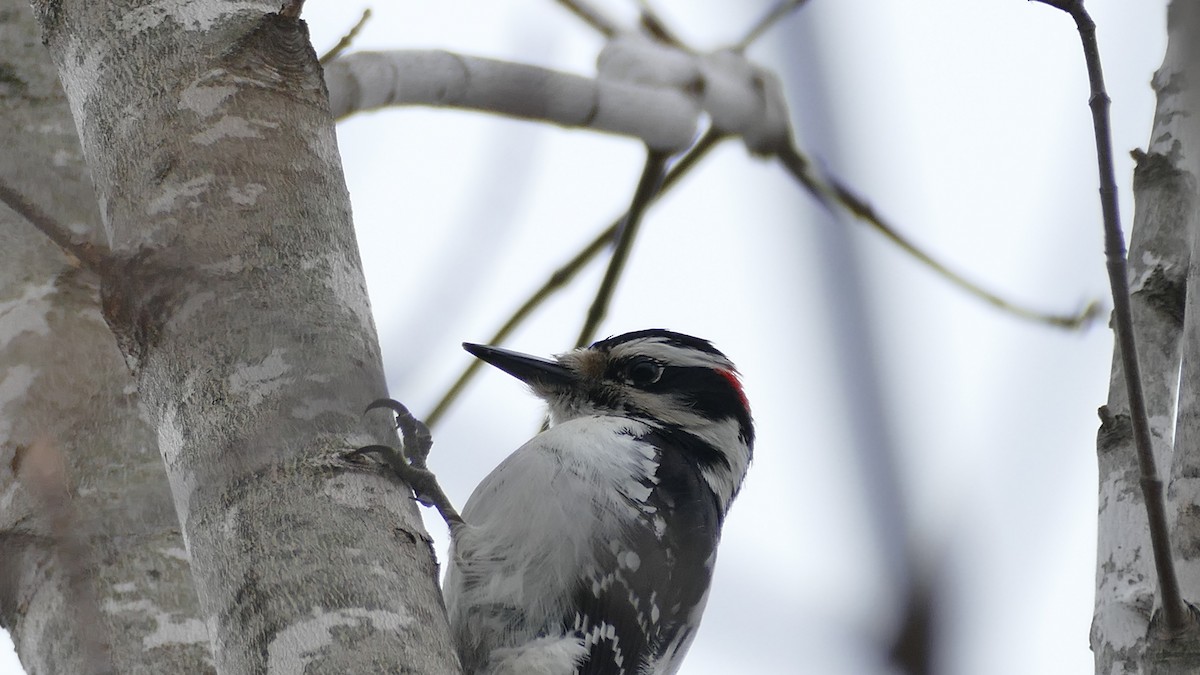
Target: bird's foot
409,464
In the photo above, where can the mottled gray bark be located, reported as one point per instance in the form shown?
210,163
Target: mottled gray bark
1165,191
93,572
1184,490
235,293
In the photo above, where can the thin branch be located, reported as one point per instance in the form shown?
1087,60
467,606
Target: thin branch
828,191
291,8
1175,612
653,24
90,255
591,16
563,275
347,39
653,175
777,13
557,281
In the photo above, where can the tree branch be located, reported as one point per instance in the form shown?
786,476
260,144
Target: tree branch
777,13
658,29
291,9
91,256
829,191
662,118
344,43
653,174
563,275
591,16
1175,612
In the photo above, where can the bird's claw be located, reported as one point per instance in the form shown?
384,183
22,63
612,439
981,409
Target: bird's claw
409,465
415,438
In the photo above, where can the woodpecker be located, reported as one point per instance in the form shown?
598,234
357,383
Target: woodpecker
589,550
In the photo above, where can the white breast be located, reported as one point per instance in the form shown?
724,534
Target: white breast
534,523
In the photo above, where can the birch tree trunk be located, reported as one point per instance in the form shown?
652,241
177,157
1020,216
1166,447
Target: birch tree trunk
235,294
93,572
1124,637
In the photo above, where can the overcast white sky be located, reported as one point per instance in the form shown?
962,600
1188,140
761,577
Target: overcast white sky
965,123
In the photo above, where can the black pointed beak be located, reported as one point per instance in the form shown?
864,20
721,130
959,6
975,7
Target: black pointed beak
532,370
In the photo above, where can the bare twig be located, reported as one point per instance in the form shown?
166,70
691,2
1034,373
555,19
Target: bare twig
591,16
653,24
828,191
777,13
564,274
653,174
291,8
559,279
347,39
1176,616
90,255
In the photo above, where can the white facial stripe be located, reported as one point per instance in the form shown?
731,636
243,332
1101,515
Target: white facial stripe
659,349
725,482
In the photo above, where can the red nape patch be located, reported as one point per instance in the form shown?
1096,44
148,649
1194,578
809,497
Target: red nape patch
736,383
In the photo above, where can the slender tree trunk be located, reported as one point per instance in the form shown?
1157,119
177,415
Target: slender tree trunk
235,293
93,572
1124,638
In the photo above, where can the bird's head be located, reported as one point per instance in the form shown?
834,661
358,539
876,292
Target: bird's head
676,382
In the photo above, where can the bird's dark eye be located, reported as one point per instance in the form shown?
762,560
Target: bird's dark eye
643,371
